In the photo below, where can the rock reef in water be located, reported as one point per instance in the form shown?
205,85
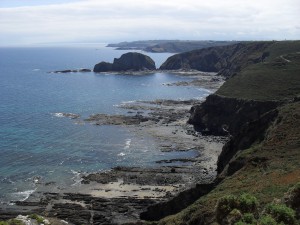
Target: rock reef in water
131,61
72,71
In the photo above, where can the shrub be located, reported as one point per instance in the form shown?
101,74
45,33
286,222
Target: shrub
249,218
282,213
234,216
245,203
267,220
240,223
225,205
248,203
292,198
38,219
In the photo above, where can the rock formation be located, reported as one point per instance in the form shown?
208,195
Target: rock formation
131,61
226,60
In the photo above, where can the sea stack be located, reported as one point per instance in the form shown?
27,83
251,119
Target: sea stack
131,61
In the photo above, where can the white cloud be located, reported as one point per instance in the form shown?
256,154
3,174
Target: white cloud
117,20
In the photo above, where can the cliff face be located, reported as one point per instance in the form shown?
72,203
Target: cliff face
220,115
244,120
130,61
227,60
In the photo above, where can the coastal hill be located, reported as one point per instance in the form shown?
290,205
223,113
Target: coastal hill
226,60
258,107
172,46
132,61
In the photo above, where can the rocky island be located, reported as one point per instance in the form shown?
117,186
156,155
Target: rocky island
131,61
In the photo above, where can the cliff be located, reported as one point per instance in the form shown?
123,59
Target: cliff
226,60
131,61
220,115
258,108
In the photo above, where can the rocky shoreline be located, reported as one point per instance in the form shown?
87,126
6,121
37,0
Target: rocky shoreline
120,195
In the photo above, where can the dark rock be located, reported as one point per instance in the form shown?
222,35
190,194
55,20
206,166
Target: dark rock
65,71
131,61
181,201
244,120
220,115
226,60
85,70
103,67
72,71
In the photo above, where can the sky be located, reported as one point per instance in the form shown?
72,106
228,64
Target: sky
30,22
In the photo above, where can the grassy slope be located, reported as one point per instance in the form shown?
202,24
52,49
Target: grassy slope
275,79
266,181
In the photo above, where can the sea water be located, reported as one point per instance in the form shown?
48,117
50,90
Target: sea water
39,145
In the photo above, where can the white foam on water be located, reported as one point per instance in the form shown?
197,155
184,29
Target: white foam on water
128,102
121,154
127,144
23,195
76,178
58,114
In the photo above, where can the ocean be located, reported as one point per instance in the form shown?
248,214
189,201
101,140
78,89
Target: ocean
37,144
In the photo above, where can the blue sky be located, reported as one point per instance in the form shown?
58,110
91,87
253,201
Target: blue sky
27,22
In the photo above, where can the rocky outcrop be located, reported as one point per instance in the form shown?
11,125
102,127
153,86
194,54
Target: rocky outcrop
226,60
103,67
72,71
131,61
220,115
250,132
181,201
244,120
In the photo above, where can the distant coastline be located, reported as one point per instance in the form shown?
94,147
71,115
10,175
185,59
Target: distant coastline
171,46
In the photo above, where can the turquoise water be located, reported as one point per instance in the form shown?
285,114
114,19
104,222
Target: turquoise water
36,144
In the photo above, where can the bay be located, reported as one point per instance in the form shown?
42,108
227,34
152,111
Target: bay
37,145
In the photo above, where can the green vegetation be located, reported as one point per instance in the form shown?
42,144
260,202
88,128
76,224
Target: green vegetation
267,220
230,204
12,222
281,213
276,78
274,178
237,209
38,219
244,209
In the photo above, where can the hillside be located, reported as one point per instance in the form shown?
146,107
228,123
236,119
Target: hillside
277,78
269,169
172,46
259,108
